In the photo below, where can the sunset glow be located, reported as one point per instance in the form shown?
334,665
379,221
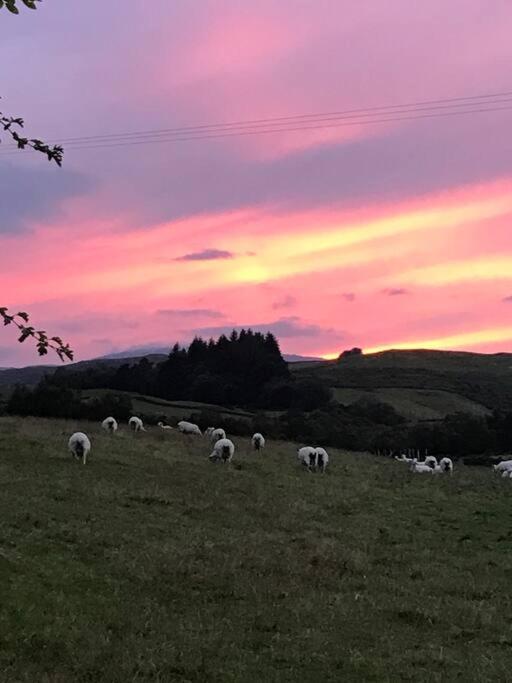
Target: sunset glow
378,236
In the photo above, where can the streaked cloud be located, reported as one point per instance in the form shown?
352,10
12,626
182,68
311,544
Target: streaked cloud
206,255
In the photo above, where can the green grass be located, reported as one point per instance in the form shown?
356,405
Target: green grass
414,404
152,564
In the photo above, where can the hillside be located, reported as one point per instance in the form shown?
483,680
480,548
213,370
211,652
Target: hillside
151,563
420,384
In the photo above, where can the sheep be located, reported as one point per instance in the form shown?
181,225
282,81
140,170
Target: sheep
258,441
420,467
188,428
135,424
404,458
208,432
307,457
430,461
506,474
79,445
109,424
217,434
223,450
503,465
162,426
322,458
446,465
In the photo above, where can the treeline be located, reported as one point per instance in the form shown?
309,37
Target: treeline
245,369
48,399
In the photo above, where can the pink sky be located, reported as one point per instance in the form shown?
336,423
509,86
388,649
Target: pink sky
394,235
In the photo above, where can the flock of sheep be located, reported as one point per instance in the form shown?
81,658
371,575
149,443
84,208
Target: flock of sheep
427,466
312,459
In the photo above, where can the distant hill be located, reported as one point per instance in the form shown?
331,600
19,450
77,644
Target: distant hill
420,384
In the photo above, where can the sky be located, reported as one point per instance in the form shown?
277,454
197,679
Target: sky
383,235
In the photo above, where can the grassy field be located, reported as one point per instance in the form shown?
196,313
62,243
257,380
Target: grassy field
152,564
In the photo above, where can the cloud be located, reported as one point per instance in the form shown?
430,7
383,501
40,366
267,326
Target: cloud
507,299
349,296
35,193
282,328
285,302
206,255
395,291
190,313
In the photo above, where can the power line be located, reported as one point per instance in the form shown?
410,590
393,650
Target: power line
302,122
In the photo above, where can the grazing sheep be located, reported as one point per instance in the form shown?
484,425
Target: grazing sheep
421,468
135,424
162,426
208,432
502,466
506,474
446,465
223,450
258,441
79,445
307,457
430,461
109,424
403,458
217,434
322,458
188,428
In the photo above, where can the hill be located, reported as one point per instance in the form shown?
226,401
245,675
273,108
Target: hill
420,384
152,564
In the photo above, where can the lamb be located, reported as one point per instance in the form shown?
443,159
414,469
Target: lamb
403,458
217,434
446,465
258,441
135,423
79,445
188,427
223,450
109,424
307,457
502,466
322,458
162,426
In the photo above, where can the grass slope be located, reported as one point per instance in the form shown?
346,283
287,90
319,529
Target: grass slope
152,564
434,383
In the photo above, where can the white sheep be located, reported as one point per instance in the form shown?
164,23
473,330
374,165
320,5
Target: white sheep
188,427
503,465
79,445
258,441
446,465
135,423
322,459
506,474
109,424
403,458
223,450
208,432
430,461
420,467
307,456
217,434
162,426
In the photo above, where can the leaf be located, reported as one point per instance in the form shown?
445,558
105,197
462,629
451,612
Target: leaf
23,315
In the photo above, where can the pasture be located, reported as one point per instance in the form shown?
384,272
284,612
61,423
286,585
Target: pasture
153,564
